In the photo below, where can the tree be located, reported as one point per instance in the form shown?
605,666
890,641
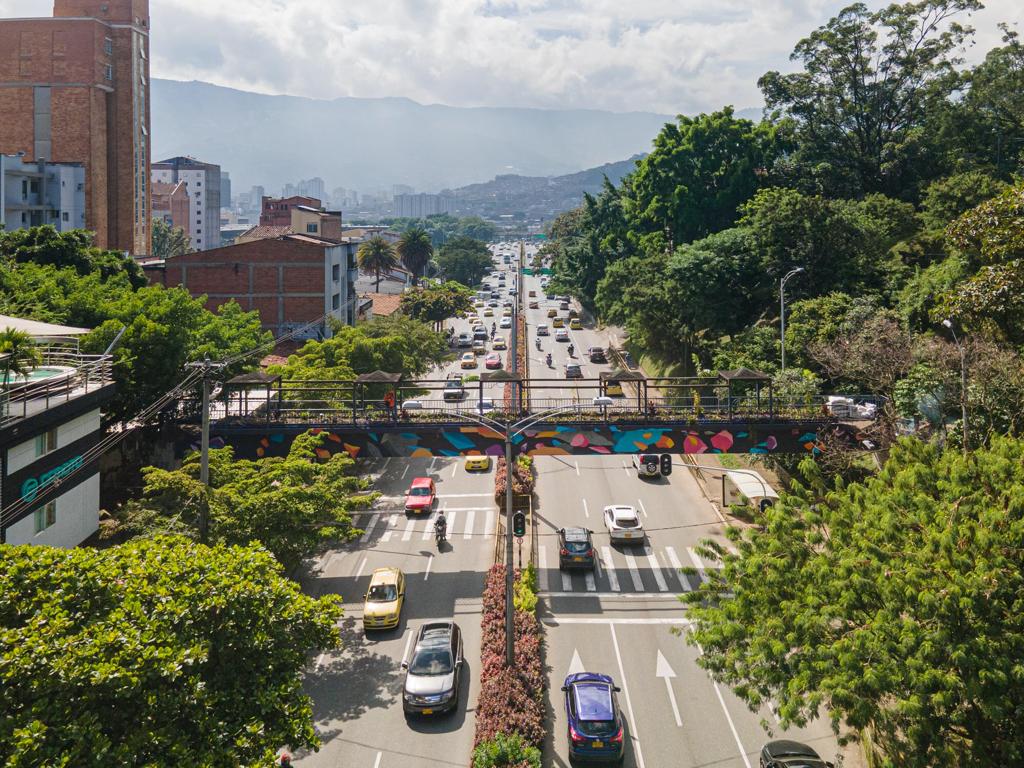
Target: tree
169,241
870,82
415,249
436,304
699,173
46,246
291,506
464,260
422,346
159,652
377,255
19,354
892,604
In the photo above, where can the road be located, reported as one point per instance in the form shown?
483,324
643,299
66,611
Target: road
357,691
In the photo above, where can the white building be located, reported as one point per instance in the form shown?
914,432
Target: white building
36,193
314,187
49,426
204,185
421,205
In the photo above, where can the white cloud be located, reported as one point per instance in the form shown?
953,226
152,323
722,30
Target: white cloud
658,55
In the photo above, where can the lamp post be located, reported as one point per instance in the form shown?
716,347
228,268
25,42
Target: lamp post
782,310
511,431
963,380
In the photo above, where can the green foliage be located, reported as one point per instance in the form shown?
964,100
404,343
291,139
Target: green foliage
18,353
992,233
437,303
506,751
946,199
376,255
291,505
159,652
46,246
525,590
464,260
444,227
891,604
169,241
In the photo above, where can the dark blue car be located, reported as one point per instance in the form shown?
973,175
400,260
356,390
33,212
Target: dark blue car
595,723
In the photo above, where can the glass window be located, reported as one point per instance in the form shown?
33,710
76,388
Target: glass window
46,442
335,273
109,73
45,516
336,301
108,46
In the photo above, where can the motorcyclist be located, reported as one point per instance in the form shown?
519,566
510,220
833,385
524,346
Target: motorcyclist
440,526
538,342
549,359
572,349
494,328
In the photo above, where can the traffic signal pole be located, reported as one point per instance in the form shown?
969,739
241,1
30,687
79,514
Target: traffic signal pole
510,610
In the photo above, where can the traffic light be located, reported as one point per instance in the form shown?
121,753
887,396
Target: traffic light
519,524
666,463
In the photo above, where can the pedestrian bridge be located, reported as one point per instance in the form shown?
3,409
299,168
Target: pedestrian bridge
259,416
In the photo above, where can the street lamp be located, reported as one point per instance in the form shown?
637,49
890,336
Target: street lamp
963,380
782,310
511,431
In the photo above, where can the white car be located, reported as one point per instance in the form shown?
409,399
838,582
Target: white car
542,330
506,322
561,334
623,523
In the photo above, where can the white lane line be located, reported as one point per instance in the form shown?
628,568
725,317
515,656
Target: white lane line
728,718
591,584
586,510
609,568
433,461
616,595
625,468
407,534
391,528
566,582
467,532
634,572
376,763
577,468
542,577
642,507
630,621
428,527
633,735
450,515
673,567
455,468
405,471
656,570
374,522
489,524
359,570
697,563
430,562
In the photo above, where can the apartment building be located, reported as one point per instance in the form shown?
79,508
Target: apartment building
202,180
38,193
277,211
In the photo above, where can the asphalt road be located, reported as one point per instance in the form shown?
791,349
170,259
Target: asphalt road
624,620
357,690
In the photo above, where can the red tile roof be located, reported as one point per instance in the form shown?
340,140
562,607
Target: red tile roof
385,304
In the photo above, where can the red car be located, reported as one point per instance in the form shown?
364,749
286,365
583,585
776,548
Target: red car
420,497
493,360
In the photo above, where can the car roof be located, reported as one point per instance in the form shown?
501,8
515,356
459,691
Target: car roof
621,510
384,576
419,482
786,747
576,534
438,633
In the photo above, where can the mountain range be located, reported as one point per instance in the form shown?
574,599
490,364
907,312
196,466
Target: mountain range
371,144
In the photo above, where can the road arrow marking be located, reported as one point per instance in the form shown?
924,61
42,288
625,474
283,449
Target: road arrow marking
576,665
664,670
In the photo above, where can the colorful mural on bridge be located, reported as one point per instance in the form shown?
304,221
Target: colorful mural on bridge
559,441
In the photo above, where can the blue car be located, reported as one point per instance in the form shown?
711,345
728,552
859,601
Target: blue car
595,723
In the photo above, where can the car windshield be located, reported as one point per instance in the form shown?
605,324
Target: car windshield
431,661
421,491
382,593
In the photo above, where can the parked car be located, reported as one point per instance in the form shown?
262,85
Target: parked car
433,671
595,720
790,754
492,361
382,604
576,548
420,496
623,523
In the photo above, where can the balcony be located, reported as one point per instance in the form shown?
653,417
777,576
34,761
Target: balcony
63,375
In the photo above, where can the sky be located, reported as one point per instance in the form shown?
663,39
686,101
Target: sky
664,56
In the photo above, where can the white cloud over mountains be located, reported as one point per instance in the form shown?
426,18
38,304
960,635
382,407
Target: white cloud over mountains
665,56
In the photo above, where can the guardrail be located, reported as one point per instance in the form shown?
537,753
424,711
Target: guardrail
83,374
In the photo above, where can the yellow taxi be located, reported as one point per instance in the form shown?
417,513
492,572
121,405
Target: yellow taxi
613,389
506,312
488,312
477,463
558,323
382,605
468,360
499,343
575,324
552,312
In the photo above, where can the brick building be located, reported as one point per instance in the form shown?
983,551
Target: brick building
277,211
202,180
171,204
305,220
292,279
74,88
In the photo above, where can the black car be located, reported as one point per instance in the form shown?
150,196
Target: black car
596,355
576,548
790,754
433,672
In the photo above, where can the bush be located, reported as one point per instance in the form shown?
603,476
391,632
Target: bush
511,701
522,478
506,750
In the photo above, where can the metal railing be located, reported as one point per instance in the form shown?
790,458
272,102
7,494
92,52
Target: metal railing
80,375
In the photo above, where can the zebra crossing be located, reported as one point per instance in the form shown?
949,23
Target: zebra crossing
643,571
465,523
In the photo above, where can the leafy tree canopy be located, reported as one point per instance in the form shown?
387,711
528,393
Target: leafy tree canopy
436,303
464,260
169,241
160,652
47,247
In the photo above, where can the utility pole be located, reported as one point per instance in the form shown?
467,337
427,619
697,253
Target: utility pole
963,381
782,310
204,444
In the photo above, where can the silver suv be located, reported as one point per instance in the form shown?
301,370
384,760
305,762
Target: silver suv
433,672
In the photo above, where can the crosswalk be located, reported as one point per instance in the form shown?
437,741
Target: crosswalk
465,523
622,571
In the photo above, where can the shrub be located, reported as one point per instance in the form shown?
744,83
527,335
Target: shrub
525,597
506,750
522,478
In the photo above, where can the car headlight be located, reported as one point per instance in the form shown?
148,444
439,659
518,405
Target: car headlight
409,697
447,695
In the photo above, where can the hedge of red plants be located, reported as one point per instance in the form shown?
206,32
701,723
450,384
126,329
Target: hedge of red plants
522,478
511,700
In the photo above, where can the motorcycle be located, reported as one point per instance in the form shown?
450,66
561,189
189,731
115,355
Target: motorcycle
549,360
440,533
538,344
572,351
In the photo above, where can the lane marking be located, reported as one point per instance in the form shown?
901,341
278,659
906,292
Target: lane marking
642,507
663,669
634,572
625,468
392,521
428,529
577,468
433,461
566,581
732,725
359,570
489,525
624,620
542,577
467,532
405,471
370,528
656,570
407,534
609,568
586,510
591,584
376,763
633,735
455,468
430,562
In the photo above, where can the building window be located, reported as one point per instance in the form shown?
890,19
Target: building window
46,442
335,273
64,216
336,301
199,183
109,72
46,516
312,228
33,187
108,46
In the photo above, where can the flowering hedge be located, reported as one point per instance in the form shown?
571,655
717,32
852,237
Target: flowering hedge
511,700
522,478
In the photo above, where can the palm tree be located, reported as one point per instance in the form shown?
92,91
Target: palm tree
20,351
377,255
416,249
